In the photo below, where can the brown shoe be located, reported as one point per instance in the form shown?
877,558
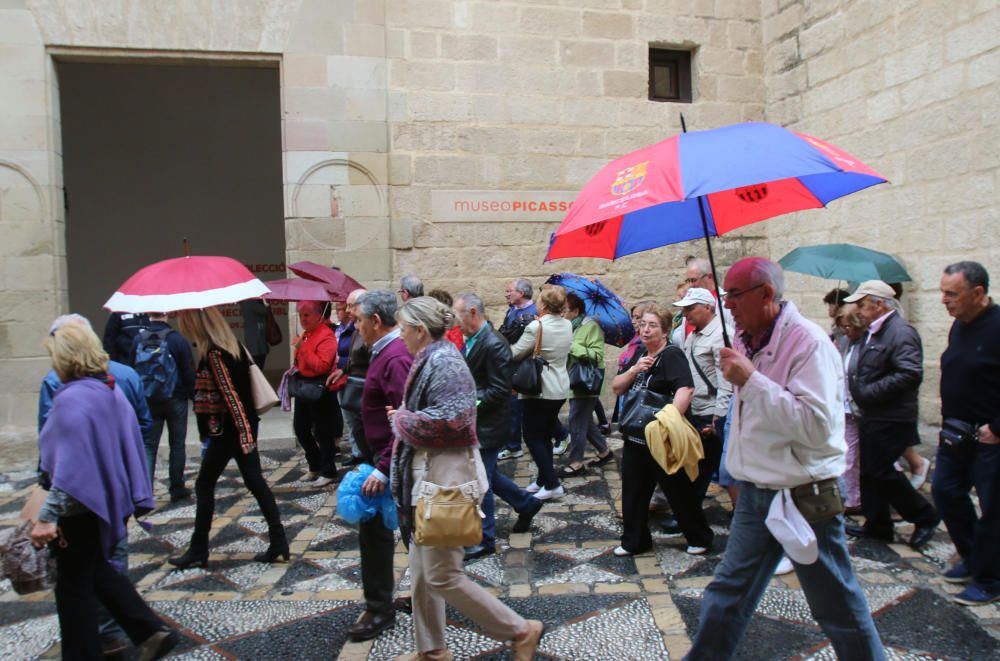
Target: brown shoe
524,646
433,655
370,625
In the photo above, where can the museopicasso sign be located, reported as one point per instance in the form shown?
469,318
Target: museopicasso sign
463,206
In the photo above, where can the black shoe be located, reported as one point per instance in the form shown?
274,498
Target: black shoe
180,495
922,534
605,429
353,461
855,530
159,645
115,647
671,527
479,551
272,554
523,523
190,558
370,625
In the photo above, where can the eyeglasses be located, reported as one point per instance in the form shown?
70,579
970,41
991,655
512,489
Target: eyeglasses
691,281
733,295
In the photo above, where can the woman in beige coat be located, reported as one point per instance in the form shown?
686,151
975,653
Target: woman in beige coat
436,442
541,411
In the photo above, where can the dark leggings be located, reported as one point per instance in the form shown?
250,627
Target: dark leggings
540,416
220,450
86,578
317,427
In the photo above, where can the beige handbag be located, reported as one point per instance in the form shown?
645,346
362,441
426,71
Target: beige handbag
449,515
264,397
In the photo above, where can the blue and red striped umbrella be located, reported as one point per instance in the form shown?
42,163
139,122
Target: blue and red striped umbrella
738,175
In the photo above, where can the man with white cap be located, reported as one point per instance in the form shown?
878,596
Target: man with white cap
787,441
884,385
710,401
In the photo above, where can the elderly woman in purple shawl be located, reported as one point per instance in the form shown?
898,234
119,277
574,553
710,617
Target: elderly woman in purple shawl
435,433
92,452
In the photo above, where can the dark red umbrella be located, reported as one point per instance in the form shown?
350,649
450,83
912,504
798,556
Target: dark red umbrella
338,283
298,289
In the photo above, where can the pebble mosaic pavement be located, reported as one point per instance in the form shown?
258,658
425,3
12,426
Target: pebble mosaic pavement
596,606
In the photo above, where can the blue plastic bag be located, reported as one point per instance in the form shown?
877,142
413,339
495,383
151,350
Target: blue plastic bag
354,507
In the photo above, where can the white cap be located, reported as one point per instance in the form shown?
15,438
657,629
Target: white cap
871,288
791,529
696,295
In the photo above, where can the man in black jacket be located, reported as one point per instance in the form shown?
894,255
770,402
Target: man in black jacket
489,360
970,403
885,386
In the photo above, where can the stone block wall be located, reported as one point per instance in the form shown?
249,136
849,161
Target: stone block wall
911,88
518,95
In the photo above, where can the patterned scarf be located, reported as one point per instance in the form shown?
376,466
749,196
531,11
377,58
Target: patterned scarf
439,411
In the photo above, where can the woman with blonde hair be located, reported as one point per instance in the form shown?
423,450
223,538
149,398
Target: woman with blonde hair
541,411
435,430
223,405
92,456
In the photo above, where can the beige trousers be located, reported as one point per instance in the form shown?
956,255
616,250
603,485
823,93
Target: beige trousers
437,576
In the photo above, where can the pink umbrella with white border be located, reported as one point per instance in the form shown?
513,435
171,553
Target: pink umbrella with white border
186,283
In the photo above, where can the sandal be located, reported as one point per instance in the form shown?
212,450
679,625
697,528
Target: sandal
569,471
600,461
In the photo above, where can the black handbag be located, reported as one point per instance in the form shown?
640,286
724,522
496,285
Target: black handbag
307,388
527,377
350,396
640,405
586,378
957,433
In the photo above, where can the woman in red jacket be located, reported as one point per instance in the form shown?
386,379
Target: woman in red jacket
315,357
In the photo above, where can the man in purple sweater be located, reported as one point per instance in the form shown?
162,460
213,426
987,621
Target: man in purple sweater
387,371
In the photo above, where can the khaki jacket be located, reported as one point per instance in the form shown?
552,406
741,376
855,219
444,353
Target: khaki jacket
674,442
557,338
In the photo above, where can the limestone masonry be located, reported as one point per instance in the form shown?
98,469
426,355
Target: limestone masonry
388,107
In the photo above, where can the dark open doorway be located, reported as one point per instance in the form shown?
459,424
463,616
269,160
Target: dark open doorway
154,153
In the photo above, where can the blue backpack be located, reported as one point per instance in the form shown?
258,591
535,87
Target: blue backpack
156,365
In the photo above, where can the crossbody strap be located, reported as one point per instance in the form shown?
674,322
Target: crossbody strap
712,390
538,339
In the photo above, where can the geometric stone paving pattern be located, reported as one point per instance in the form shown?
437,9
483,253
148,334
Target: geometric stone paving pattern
596,605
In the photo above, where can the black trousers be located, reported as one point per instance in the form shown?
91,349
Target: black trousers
86,578
220,450
712,445
316,428
377,545
640,475
882,486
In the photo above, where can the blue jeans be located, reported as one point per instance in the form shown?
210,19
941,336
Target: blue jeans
500,485
976,538
175,413
832,590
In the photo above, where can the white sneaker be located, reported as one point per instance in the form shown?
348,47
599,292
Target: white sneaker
621,552
322,481
784,567
561,447
920,475
548,494
697,550
508,454
533,488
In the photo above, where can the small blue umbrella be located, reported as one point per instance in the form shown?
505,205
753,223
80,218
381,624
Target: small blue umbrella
602,305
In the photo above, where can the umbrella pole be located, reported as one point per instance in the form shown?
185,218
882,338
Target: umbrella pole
711,256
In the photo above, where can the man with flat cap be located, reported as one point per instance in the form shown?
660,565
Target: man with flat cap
885,385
